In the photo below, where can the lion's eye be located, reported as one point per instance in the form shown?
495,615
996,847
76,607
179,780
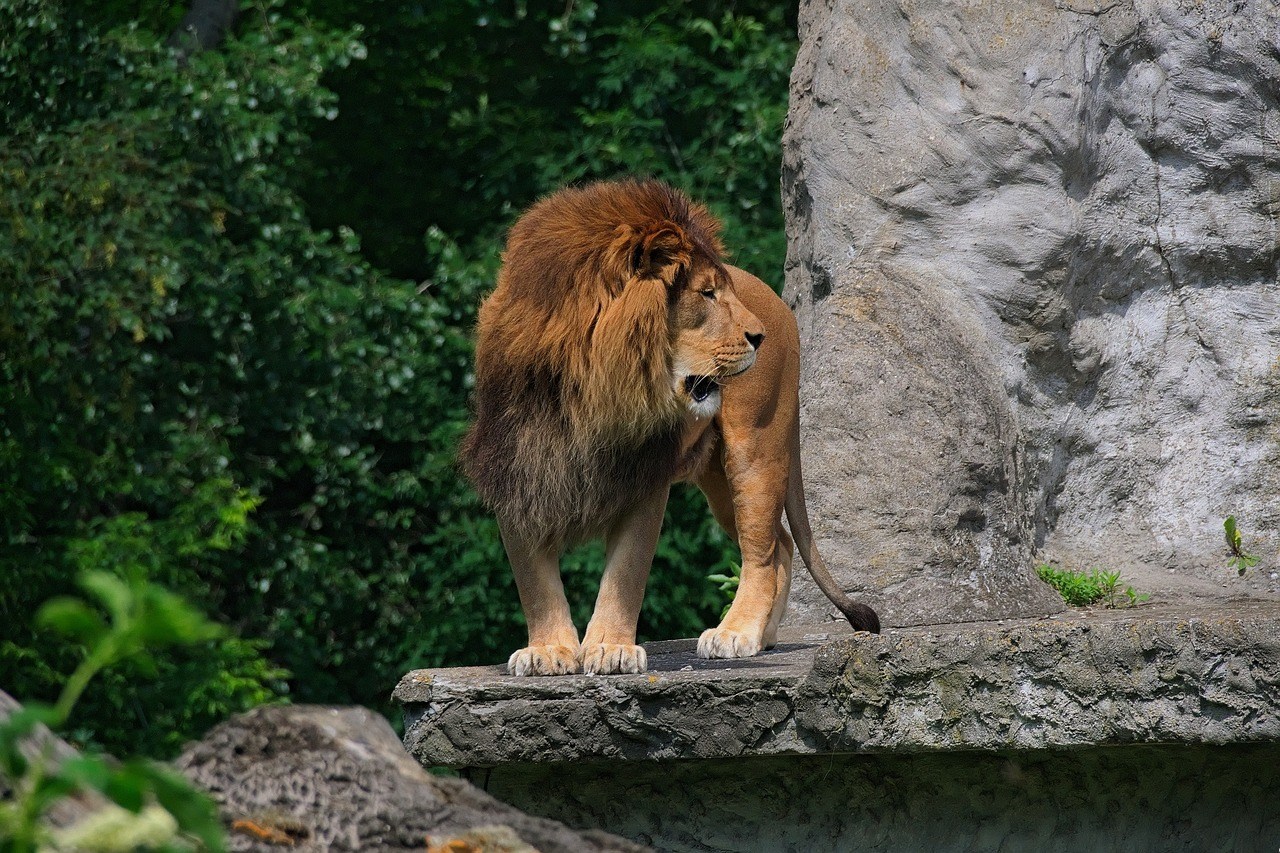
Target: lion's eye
710,294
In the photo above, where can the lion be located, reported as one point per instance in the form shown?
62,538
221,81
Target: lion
617,355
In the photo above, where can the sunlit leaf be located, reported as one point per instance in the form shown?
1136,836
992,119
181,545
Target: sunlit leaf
73,618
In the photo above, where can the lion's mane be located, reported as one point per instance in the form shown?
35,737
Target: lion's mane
575,416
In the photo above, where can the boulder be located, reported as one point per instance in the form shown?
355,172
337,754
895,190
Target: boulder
317,778
1033,253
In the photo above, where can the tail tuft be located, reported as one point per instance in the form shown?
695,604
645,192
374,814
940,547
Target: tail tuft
860,616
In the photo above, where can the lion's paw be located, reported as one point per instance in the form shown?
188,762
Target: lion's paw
726,643
611,659
544,660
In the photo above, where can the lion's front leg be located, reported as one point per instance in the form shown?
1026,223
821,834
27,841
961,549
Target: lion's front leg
610,642
553,640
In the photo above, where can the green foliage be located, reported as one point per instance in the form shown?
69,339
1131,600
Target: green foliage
1080,589
207,381
131,289
151,806
476,109
727,584
1240,559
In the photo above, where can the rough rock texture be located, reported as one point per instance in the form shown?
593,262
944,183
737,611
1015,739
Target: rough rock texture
1147,675
316,778
684,707
1123,799
1034,258
1189,679
66,810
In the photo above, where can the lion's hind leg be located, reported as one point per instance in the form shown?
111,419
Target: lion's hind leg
786,552
752,517
553,639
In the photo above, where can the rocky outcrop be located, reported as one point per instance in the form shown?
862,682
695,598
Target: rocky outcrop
1143,675
1033,252
1138,728
315,778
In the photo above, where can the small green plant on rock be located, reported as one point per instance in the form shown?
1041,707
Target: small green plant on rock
728,585
1240,559
1133,598
1080,589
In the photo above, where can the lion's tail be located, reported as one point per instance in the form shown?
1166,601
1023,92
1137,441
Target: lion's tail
860,616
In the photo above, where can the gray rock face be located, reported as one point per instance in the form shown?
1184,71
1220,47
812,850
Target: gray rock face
1190,675
1103,800
1034,258
313,778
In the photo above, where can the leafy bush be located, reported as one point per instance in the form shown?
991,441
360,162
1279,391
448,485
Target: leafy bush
148,806
474,109
145,291
201,386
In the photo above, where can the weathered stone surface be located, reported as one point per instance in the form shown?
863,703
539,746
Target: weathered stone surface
338,779
1144,675
1120,798
683,707
1033,252
1111,679
67,810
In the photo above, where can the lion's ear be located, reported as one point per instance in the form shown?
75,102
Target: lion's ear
659,247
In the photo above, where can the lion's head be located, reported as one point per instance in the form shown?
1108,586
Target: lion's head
716,337
613,317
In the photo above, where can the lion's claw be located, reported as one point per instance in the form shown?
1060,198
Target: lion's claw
613,658
726,643
544,660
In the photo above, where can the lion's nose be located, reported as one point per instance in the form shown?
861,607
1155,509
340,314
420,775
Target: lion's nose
755,339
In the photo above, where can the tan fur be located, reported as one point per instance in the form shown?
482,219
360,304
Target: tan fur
612,305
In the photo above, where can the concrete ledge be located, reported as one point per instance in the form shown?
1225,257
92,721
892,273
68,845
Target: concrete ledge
1152,674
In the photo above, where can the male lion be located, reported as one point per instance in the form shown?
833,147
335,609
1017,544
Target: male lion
603,361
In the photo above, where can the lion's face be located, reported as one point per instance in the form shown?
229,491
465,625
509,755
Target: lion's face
716,337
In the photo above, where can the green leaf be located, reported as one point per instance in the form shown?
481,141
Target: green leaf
195,812
127,787
112,592
1232,534
167,619
72,618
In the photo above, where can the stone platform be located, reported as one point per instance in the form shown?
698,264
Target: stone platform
1154,725
1082,678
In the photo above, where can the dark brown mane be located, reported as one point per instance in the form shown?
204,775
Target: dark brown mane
575,414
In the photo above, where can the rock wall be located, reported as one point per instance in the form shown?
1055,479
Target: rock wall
1190,675
1033,251
1108,799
